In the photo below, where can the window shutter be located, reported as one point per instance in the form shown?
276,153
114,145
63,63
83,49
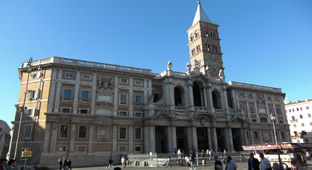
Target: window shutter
62,93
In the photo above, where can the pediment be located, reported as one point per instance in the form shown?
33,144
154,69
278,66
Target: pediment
163,116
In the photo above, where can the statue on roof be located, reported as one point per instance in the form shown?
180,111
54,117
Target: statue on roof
221,73
188,68
169,65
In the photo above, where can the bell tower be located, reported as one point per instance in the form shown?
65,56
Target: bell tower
204,44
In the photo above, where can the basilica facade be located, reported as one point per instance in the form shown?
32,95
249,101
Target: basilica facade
90,111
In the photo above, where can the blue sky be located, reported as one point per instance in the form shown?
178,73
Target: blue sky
263,42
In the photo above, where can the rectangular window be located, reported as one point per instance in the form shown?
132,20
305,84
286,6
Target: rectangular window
123,99
123,81
86,77
138,100
292,117
27,131
278,110
283,135
61,148
32,94
82,133
123,113
271,109
66,110
137,148
251,108
35,75
256,135
63,133
138,82
309,115
302,124
307,107
84,111
30,112
122,148
81,148
138,114
295,125
69,75
138,133
84,95
301,116
67,93
122,133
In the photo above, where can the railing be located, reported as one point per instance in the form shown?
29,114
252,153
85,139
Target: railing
252,86
199,108
60,60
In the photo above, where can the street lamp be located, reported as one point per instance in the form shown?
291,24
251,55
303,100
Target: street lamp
23,108
273,118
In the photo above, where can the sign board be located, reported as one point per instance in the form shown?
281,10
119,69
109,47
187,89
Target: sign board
26,153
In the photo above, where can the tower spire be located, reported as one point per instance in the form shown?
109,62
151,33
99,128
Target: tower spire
200,15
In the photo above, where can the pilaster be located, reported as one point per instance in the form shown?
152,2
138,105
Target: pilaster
152,139
146,140
116,96
114,138
91,133
131,98
209,138
72,137
214,139
76,93
46,138
52,91
194,134
93,92
53,138
130,139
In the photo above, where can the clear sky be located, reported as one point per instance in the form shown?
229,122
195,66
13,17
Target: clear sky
264,42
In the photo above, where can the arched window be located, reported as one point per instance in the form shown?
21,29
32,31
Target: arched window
178,96
197,94
216,99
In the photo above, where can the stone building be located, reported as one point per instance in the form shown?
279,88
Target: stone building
89,111
299,117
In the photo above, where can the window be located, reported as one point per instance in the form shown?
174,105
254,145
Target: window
122,133
289,110
295,125
69,75
123,99
301,116
82,133
292,117
137,148
27,131
66,94
301,108
296,134
122,148
66,110
81,148
123,113
138,100
62,148
309,115
138,82
138,133
302,124
30,112
35,75
271,109
297,109
310,123
278,110
63,132
293,110
251,108
86,77
123,81
256,135
33,94
138,114
307,107
84,95
84,111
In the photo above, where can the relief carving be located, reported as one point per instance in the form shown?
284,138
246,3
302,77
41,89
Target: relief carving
105,84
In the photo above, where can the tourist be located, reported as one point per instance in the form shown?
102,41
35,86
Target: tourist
187,160
192,160
168,162
230,164
69,164
3,163
123,161
110,163
218,163
64,163
60,163
253,163
265,163
11,164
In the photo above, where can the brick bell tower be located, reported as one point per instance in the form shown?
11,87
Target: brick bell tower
204,44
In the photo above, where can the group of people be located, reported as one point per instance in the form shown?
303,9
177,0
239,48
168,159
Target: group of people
64,163
254,164
5,165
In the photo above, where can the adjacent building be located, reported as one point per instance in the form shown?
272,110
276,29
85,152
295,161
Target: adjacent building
90,111
300,120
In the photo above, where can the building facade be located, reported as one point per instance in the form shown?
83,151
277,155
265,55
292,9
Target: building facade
90,111
300,120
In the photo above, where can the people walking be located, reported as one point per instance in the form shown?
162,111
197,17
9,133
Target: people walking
64,163
60,163
11,165
230,164
110,163
69,164
265,163
218,163
192,160
168,162
253,163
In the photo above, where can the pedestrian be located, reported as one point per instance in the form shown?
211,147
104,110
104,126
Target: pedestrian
69,164
64,163
230,164
179,157
253,163
11,164
209,154
3,163
265,163
187,160
60,163
110,162
168,162
218,163
192,160
123,161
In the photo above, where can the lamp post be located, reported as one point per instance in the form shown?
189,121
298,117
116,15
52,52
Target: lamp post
23,108
273,118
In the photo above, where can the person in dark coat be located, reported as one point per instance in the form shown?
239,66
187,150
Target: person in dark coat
218,163
60,163
253,163
110,162
64,163
69,164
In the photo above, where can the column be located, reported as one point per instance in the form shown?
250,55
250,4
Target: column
93,93
229,139
146,140
209,138
210,101
189,139
53,138
131,98
190,92
76,93
234,100
174,138
145,92
116,96
91,133
72,137
114,138
46,137
242,136
251,137
214,139
152,139
52,91
169,139
260,136
130,139
194,134
171,92
205,97
225,101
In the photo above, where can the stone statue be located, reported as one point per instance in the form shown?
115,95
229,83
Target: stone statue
221,73
207,70
169,65
188,68
151,99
